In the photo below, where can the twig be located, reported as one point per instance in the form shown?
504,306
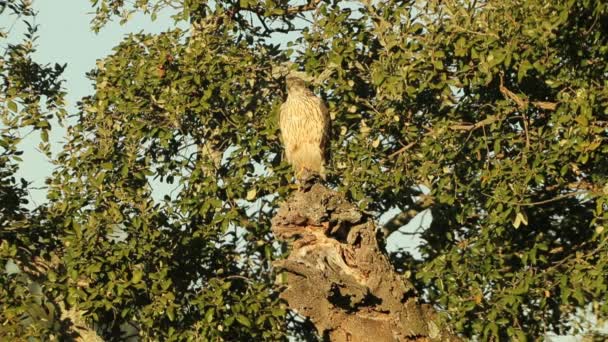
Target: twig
485,122
545,105
522,104
303,8
401,150
578,248
531,204
288,11
236,276
525,121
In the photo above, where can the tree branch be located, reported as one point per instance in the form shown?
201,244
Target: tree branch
337,276
523,103
532,204
303,8
311,5
36,269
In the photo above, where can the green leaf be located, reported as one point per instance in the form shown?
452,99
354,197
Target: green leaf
209,315
243,320
12,106
137,276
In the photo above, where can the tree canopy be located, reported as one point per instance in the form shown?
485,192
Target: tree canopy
492,115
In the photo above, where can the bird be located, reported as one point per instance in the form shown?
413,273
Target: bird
304,122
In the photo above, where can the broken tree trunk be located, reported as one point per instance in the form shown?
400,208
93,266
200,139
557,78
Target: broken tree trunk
338,277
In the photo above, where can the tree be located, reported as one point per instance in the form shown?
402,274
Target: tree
492,115
31,95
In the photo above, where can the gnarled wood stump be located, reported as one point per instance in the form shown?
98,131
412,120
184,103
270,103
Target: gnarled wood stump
338,277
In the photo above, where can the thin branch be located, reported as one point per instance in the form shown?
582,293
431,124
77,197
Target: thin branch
236,276
545,105
578,247
288,11
523,103
524,119
401,150
531,204
303,8
470,127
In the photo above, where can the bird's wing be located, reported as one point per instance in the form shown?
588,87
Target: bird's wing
282,118
326,129
281,110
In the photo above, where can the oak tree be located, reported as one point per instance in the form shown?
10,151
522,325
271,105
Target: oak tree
492,116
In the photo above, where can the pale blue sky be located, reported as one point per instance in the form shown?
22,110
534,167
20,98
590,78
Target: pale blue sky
65,37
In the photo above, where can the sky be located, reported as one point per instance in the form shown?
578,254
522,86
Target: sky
66,37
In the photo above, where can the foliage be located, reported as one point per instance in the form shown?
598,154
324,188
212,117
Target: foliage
161,203
30,95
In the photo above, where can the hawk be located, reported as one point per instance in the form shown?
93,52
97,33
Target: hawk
305,124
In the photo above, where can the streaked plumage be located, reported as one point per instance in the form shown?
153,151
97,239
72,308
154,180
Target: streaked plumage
305,124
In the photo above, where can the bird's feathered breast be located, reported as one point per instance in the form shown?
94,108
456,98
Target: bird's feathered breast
305,122
304,118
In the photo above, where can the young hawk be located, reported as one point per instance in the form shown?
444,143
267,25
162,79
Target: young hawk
304,122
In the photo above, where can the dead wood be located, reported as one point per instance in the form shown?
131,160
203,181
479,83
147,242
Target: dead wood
338,277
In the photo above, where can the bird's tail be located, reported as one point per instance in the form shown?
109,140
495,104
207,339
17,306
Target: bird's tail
310,161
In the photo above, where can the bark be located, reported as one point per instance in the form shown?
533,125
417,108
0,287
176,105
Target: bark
338,277
36,269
